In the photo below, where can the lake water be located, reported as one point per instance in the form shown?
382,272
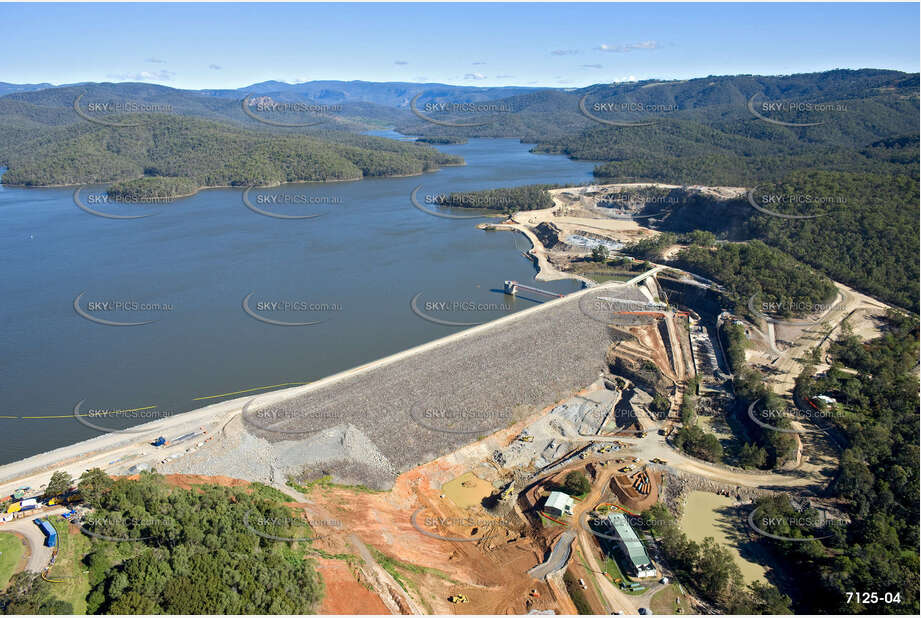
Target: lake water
188,268
711,515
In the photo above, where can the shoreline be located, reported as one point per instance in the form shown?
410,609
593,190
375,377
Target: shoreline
538,253
110,449
122,448
205,188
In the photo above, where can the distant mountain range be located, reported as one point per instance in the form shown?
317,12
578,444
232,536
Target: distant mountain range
7,88
842,134
692,131
390,94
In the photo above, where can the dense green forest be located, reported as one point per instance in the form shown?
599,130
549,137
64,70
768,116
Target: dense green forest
877,480
209,153
693,153
548,114
151,188
696,442
185,552
867,238
28,593
442,140
525,197
754,269
861,229
779,447
709,136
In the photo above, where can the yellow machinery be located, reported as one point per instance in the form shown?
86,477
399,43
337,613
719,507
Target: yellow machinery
457,598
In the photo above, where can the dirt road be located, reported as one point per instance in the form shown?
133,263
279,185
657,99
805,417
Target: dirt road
559,556
39,555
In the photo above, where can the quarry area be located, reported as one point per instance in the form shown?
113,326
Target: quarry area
503,469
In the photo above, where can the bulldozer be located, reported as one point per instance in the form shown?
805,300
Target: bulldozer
458,598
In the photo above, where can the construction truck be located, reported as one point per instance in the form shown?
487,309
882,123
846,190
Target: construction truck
526,437
458,598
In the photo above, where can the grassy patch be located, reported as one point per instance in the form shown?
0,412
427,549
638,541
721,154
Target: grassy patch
387,563
11,551
260,490
398,570
612,568
68,567
326,482
598,277
665,601
350,559
612,270
592,578
577,595
547,522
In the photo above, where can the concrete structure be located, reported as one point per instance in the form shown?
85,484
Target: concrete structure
512,287
640,563
558,504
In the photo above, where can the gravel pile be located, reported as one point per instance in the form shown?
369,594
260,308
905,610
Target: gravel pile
343,452
434,402
368,428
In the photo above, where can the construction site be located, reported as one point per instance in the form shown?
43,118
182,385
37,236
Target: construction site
504,469
501,517
493,517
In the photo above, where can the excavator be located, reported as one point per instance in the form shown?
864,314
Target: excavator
458,598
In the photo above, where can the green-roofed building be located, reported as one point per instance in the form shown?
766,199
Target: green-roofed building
631,545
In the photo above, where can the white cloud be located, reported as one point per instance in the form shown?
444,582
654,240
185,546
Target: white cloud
144,76
474,76
628,47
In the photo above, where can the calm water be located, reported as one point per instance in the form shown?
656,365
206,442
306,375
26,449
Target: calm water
198,258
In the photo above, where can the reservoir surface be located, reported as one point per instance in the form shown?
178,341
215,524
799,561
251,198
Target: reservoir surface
208,299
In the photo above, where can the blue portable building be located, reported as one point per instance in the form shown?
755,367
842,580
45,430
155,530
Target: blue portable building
51,536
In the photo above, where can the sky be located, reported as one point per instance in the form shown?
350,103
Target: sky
558,45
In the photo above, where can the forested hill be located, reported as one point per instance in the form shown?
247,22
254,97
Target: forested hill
702,131
55,106
857,228
209,153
